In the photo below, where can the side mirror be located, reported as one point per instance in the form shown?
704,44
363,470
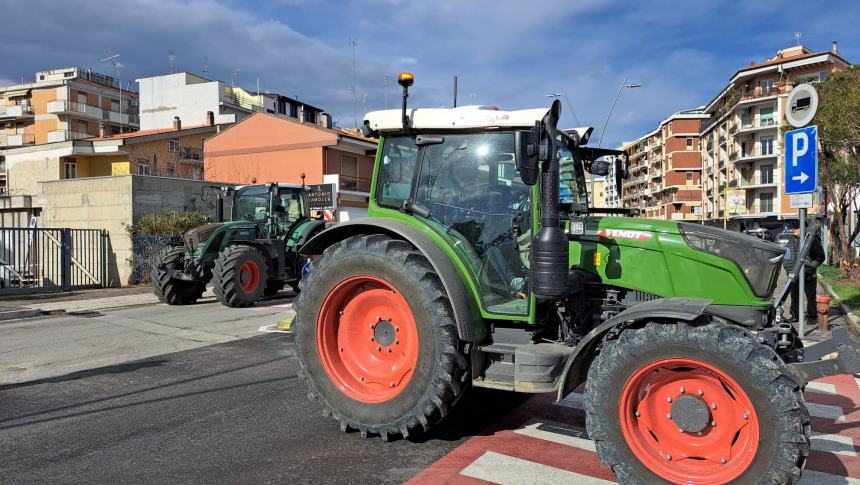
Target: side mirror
600,168
527,156
620,174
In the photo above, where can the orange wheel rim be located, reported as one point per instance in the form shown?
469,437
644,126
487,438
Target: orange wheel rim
249,276
713,435
367,339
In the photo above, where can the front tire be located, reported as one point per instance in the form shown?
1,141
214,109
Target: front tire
173,291
376,338
706,404
239,276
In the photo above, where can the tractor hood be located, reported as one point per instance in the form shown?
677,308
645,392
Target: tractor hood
199,234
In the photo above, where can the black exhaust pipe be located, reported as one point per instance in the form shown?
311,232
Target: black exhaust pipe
550,253
219,205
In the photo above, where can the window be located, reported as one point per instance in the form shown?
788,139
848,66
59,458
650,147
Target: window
765,203
294,110
114,105
171,170
349,173
670,127
173,145
765,116
689,176
395,175
309,116
82,98
766,174
70,170
144,169
689,143
766,86
767,146
822,75
83,127
65,74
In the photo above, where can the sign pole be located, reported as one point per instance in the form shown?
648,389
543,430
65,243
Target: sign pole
801,282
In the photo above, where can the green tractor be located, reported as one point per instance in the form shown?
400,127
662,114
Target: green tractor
481,265
251,256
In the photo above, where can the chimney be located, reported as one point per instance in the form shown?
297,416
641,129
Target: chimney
101,130
210,118
326,120
177,123
835,47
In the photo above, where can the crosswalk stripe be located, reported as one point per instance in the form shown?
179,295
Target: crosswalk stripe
508,470
825,411
556,432
822,388
832,443
812,477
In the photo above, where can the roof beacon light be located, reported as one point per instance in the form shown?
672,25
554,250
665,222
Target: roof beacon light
405,79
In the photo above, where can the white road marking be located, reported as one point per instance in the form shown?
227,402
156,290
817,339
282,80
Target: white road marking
560,433
822,388
832,443
273,328
812,477
825,411
508,470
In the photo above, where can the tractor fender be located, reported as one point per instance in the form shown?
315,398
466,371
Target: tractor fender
314,228
470,325
661,309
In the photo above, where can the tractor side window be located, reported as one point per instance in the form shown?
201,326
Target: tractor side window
290,205
251,204
395,173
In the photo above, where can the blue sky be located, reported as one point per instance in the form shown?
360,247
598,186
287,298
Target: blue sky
508,53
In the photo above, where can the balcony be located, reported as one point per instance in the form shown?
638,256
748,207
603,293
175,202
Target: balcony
759,181
759,92
66,135
761,124
124,118
64,106
17,140
755,155
14,111
191,154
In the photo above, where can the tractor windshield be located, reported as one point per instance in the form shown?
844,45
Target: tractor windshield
470,186
289,206
251,203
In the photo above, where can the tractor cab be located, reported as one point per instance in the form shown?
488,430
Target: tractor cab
275,206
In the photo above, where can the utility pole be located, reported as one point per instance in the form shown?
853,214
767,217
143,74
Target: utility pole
353,43
455,91
624,84
569,105
113,59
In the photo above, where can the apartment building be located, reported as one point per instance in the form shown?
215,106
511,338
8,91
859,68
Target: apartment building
65,104
666,170
191,97
611,194
741,152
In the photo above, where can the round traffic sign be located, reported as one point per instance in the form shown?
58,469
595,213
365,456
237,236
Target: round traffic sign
801,105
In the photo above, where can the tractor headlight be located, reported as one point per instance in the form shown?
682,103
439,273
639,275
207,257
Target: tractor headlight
758,260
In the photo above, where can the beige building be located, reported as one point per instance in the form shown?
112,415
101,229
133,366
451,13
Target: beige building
741,152
666,170
176,152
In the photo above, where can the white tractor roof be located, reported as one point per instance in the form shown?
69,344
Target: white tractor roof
462,117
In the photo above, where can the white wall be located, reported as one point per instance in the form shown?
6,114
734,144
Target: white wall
164,97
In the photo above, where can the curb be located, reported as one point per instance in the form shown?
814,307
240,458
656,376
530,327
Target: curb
847,311
16,314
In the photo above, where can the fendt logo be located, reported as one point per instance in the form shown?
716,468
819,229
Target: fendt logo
624,234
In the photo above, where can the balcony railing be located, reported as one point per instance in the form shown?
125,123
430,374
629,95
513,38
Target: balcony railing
60,106
66,135
759,92
18,139
754,154
123,118
760,180
16,110
191,153
356,184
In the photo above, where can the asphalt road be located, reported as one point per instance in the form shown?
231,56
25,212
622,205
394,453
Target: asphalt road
229,412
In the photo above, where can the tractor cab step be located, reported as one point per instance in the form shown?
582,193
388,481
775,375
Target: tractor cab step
521,367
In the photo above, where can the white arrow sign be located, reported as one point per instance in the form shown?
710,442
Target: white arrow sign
802,177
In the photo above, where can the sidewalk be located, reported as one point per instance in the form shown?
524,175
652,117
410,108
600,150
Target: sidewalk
77,301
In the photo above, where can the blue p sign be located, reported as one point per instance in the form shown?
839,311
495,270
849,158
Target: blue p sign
801,160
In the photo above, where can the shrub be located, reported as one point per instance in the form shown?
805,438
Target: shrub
170,224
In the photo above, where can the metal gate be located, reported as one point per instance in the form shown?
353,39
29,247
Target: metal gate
45,260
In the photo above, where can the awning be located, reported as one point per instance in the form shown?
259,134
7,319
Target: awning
17,93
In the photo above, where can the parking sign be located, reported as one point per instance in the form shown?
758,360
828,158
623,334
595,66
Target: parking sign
801,160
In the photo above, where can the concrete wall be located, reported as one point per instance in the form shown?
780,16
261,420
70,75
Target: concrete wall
26,167
112,203
184,95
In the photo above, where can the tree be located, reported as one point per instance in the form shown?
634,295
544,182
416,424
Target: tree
838,120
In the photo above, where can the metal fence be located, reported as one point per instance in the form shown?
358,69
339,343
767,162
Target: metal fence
145,252
45,260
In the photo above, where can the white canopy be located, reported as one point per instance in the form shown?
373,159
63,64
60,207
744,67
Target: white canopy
463,117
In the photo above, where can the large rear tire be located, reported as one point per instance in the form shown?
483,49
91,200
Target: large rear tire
239,276
376,338
170,290
707,404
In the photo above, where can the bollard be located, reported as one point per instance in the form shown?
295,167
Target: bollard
822,304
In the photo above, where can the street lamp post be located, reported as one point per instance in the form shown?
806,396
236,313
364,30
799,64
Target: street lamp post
624,84
569,105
